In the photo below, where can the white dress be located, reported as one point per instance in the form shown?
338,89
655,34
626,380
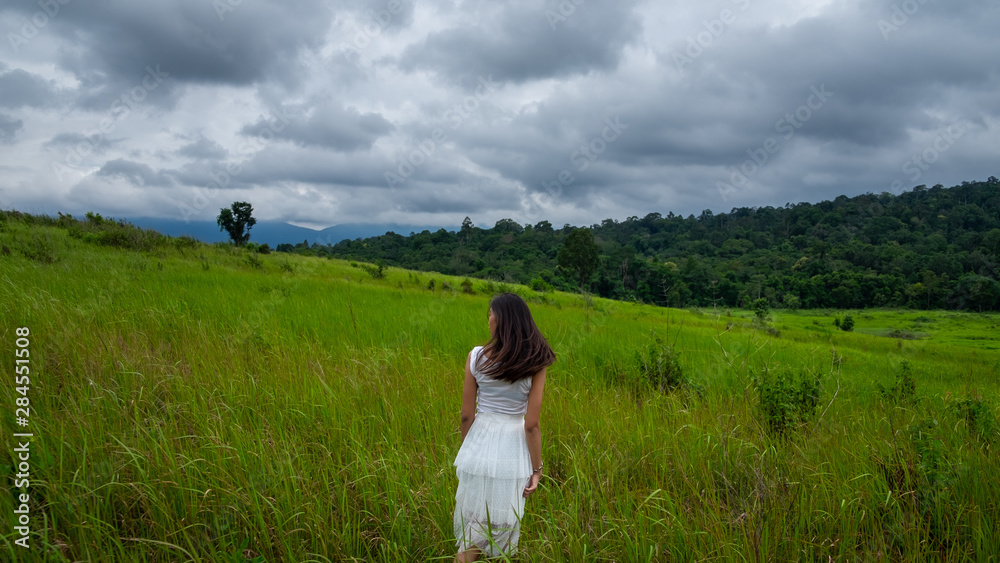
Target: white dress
493,467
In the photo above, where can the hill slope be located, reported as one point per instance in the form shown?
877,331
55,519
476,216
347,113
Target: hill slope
208,403
930,248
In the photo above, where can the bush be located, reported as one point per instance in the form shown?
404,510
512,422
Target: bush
657,365
978,415
489,288
377,271
786,398
108,232
467,286
848,324
39,246
538,284
934,471
431,284
185,241
761,308
903,389
254,261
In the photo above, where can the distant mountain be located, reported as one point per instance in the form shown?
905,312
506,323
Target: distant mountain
277,232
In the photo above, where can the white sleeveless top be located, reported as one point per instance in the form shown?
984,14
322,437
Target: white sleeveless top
498,396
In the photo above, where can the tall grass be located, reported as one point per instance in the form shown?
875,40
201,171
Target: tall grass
189,404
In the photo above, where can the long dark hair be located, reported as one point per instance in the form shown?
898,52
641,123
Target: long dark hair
517,348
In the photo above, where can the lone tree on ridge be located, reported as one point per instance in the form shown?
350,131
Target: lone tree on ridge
237,221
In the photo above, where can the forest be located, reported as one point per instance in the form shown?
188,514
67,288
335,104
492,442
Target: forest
927,248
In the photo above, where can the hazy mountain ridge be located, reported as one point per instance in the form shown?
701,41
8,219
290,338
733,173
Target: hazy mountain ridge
276,232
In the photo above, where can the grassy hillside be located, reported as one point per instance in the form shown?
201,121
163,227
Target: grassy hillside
191,402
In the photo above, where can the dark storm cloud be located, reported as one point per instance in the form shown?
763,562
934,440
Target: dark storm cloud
882,88
96,143
456,201
755,86
203,149
522,41
330,125
194,42
314,104
136,173
9,126
19,88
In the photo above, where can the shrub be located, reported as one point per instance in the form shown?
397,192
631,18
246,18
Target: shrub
760,309
254,261
934,471
903,389
489,288
431,284
538,284
786,398
446,285
657,365
978,415
185,241
848,324
108,232
467,286
771,331
39,246
377,271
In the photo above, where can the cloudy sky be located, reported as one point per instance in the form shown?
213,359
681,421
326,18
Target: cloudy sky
323,112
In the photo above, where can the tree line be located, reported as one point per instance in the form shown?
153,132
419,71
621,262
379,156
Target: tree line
928,248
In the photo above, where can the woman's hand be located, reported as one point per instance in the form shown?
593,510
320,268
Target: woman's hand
532,484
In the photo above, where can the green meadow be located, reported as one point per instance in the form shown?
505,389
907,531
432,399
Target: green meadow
208,403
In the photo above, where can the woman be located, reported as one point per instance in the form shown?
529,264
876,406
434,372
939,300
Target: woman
500,461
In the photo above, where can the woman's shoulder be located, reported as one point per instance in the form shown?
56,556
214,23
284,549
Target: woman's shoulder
475,352
474,355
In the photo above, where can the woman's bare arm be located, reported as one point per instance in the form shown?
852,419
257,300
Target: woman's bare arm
533,429
469,389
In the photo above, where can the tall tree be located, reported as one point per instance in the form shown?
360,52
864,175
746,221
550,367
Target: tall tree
579,254
237,221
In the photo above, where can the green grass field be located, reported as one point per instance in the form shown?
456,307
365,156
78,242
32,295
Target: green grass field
202,403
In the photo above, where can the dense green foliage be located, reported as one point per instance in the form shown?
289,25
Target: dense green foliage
929,248
212,403
786,398
237,221
579,254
